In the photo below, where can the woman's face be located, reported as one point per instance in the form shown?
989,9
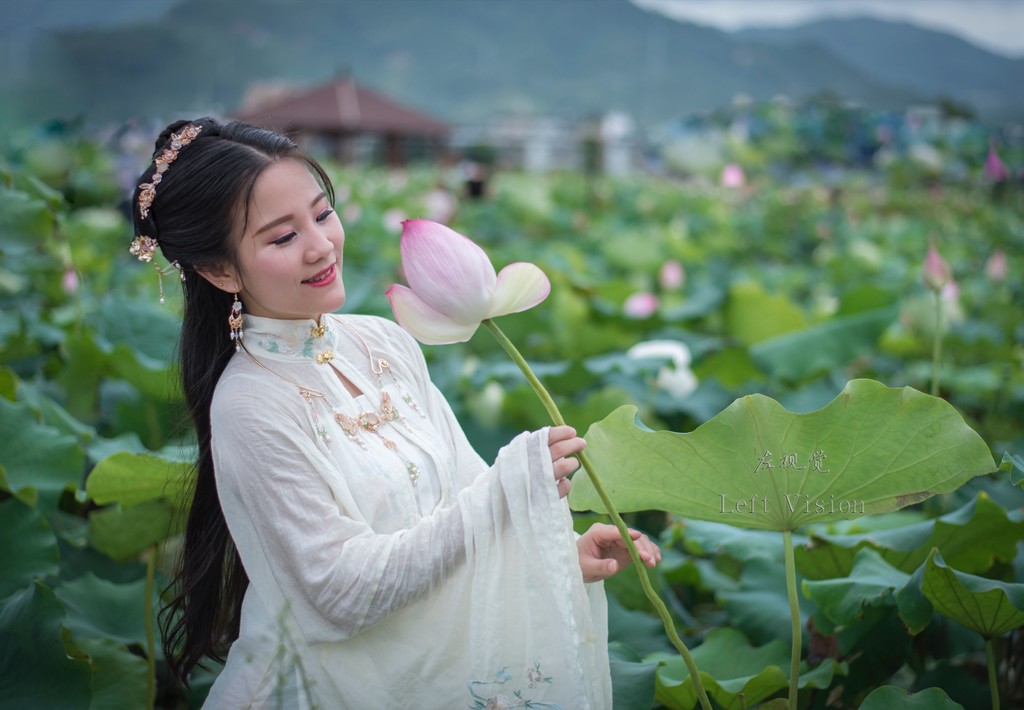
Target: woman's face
290,254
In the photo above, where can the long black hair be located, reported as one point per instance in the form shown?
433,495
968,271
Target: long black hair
197,216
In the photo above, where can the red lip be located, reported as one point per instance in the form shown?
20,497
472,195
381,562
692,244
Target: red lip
327,276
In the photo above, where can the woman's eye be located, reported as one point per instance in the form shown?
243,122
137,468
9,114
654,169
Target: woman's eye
324,215
284,239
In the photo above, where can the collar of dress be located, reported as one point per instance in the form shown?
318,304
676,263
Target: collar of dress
295,340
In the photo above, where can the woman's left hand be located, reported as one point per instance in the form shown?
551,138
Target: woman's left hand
603,552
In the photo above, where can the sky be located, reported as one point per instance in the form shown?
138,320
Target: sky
995,25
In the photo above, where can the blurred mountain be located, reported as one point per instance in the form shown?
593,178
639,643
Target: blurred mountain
897,54
463,60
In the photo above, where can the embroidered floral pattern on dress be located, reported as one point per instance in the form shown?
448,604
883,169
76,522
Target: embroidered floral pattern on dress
483,698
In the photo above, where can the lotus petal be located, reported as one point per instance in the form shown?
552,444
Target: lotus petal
426,324
451,274
520,286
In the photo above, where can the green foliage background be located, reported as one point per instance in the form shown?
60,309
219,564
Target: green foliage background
790,291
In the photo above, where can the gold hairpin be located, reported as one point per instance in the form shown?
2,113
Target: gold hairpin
147,190
145,248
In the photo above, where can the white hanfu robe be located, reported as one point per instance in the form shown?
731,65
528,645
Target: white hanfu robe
369,592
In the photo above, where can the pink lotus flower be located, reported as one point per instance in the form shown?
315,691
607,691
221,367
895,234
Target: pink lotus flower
69,281
995,168
996,267
640,305
453,287
935,273
733,176
672,275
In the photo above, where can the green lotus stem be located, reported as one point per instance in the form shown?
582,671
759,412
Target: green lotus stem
993,686
936,344
150,643
638,565
794,616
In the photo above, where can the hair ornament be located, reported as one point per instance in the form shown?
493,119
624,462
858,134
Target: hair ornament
147,190
145,248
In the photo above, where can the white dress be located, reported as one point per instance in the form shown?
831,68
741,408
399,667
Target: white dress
366,591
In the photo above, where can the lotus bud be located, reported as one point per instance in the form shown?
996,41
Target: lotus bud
995,168
672,275
996,267
640,305
935,273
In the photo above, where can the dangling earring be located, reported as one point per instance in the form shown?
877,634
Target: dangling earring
235,323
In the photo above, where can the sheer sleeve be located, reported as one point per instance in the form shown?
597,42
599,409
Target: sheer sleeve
293,531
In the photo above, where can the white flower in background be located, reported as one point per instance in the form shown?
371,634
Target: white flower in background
675,377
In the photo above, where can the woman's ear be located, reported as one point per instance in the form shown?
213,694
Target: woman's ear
222,277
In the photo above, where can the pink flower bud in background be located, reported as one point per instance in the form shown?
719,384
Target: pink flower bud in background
351,213
936,272
996,267
995,168
393,219
69,281
672,275
640,305
733,176
440,205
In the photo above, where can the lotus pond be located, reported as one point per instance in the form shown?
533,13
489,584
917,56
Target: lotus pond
782,332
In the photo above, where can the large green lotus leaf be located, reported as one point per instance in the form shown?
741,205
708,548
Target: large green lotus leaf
633,678
734,673
122,533
970,538
915,609
641,631
25,221
53,414
872,581
874,649
1015,465
97,608
37,458
752,315
733,367
9,382
872,449
87,365
986,606
128,478
759,606
889,697
702,537
824,346
28,547
36,670
118,675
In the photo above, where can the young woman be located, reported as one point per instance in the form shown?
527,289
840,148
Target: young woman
346,547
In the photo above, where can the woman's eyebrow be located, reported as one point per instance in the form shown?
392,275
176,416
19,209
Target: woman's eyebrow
281,220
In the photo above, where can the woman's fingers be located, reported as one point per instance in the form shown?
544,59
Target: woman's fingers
564,486
563,442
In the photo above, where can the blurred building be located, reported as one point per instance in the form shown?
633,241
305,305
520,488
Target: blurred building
347,122
536,143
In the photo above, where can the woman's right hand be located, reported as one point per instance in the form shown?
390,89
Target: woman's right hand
562,443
